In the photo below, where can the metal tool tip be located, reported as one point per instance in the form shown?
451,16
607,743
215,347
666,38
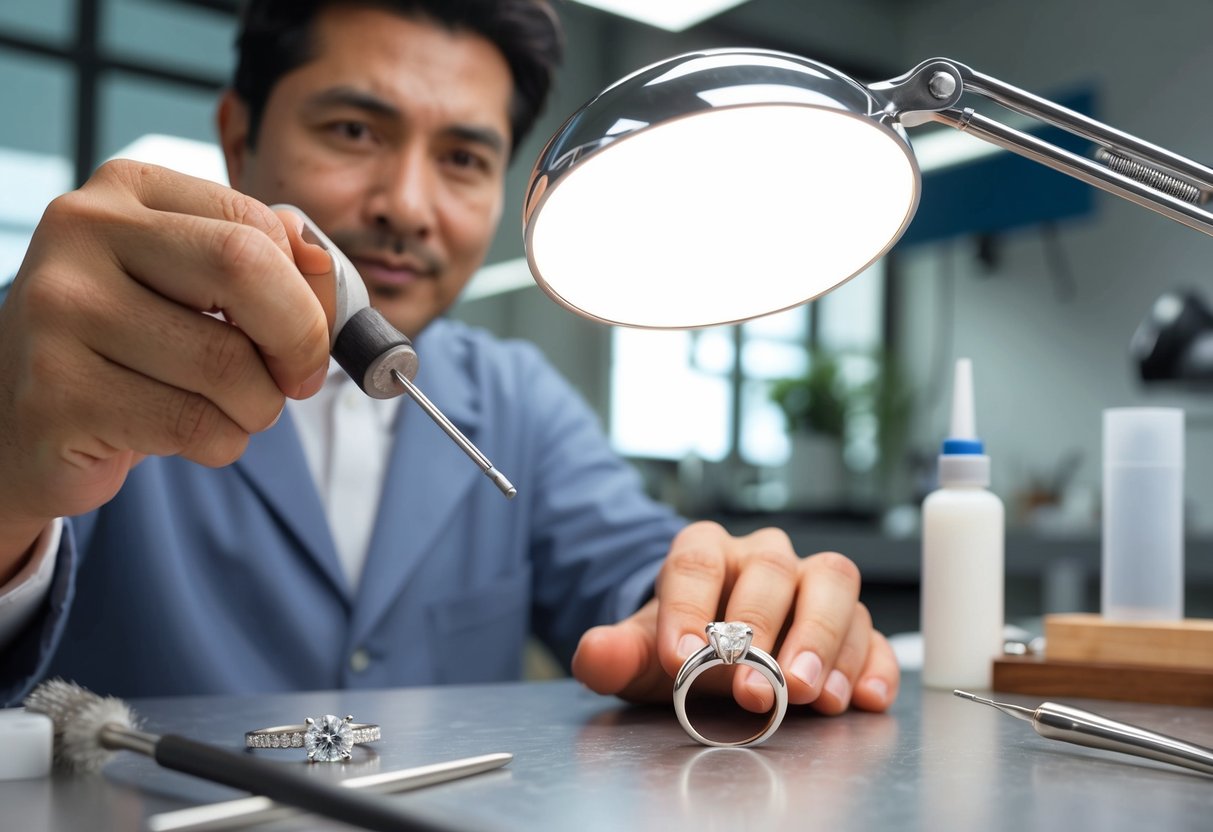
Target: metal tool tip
964,694
503,485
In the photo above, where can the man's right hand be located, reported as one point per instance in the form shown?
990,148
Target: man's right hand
106,358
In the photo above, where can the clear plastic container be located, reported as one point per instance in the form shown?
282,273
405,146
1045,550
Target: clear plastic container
1143,495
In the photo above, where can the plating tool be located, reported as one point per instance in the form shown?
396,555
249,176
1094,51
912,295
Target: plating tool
1073,725
380,359
88,728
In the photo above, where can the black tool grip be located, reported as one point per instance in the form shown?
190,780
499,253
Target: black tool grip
366,337
278,782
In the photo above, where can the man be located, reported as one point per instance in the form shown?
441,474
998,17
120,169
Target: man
390,124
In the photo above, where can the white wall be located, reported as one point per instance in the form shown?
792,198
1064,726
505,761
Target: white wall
1045,369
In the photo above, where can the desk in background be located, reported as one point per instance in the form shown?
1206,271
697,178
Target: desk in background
587,763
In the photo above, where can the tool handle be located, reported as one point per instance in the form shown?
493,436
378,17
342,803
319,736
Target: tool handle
1061,722
280,783
369,348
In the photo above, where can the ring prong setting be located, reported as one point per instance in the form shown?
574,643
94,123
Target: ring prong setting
730,639
329,740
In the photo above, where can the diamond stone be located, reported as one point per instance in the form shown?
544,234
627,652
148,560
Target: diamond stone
329,739
730,639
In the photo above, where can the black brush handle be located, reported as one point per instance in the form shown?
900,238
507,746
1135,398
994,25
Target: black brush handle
280,783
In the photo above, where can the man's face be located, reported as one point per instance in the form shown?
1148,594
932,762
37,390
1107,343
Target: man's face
394,138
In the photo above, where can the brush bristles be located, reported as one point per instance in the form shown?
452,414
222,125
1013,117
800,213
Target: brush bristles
78,715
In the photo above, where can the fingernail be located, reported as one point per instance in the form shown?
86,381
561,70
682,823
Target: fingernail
313,384
838,686
807,668
330,264
689,644
876,688
279,416
758,687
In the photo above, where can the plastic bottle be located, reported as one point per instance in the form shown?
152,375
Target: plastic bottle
962,556
1143,514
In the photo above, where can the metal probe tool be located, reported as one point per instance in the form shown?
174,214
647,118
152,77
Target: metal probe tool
380,359
507,488
1073,725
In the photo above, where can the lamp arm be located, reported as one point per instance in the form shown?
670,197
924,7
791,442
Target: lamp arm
1088,170
1124,165
1116,141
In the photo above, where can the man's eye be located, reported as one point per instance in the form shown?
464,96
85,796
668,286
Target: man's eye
467,159
352,130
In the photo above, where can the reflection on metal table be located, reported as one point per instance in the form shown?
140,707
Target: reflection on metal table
587,762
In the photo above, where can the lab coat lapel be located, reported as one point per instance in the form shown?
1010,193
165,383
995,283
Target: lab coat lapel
426,480
275,467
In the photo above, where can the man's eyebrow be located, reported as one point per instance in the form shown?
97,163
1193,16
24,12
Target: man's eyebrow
487,136
349,97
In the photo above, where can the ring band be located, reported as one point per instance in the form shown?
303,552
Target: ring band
730,643
327,739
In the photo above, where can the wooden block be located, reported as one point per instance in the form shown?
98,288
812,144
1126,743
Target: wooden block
1092,638
1050,678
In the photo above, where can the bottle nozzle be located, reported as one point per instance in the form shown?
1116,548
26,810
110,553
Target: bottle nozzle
962,440
964,420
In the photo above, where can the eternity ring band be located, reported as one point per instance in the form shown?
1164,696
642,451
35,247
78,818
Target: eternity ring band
327,740
730,643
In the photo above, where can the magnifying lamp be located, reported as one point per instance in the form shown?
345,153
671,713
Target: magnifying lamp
721,185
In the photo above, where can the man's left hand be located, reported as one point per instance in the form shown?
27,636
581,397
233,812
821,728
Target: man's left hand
804,611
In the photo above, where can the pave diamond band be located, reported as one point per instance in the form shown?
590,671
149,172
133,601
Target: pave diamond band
730,643
327,739
286,736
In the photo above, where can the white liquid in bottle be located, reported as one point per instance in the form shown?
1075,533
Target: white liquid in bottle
962,557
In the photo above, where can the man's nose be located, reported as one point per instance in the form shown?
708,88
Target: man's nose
404,201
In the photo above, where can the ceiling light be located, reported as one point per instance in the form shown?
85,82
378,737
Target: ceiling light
671,15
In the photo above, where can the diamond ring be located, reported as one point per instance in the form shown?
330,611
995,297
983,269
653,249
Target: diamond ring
327,740
730,643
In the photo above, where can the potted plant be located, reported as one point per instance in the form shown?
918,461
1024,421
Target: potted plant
814,407
815,402
824,411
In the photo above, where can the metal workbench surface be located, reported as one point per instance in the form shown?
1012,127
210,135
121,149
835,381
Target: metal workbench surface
585,762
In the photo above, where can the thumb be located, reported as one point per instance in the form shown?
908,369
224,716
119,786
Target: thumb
621,659
313,262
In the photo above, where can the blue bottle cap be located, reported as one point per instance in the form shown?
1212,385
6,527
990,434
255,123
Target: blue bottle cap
963,447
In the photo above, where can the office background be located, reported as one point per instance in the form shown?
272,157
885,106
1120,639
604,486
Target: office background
1040,284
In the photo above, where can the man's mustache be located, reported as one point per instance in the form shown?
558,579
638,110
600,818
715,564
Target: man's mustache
387,244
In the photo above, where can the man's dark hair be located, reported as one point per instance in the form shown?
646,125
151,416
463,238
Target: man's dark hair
275,38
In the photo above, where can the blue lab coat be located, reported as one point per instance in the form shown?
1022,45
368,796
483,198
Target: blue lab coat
196,580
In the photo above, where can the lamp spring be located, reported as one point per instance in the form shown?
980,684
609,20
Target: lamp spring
1155,178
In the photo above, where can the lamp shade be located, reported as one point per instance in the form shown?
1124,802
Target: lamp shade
715,187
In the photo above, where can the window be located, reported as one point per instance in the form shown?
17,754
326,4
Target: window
83,79
43,21
36,149
170,33
675,393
